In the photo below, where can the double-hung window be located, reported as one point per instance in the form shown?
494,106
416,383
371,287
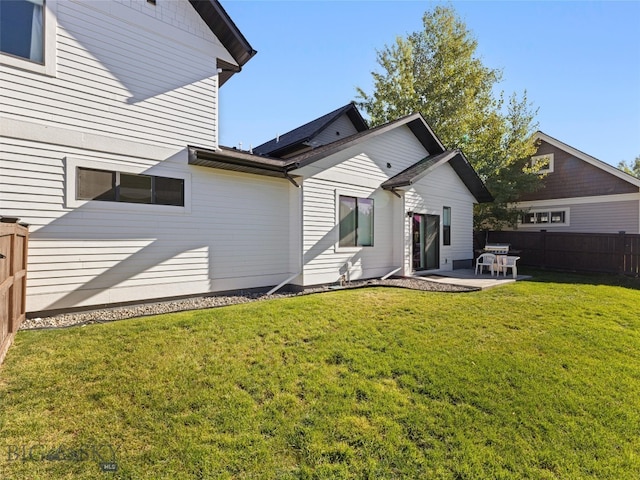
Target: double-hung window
355,221
22,29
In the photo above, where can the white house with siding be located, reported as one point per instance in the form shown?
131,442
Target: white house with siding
385,200
113,160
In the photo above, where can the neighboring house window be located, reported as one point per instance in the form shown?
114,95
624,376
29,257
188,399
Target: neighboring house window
546,217
356,221
446,225
542,163
21,29
110,186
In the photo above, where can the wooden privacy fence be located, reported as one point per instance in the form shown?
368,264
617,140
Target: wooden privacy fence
13,280
583,252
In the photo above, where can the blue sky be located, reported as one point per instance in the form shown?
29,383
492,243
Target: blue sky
578,61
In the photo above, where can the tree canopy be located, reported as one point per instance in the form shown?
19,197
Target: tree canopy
436,72
632,168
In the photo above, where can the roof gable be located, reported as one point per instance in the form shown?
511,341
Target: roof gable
588,158
458,162
415,122
300,138
236,160
228,33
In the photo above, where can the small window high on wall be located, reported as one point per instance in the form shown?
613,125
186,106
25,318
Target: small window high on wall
355,221
545,217
22,28
110,186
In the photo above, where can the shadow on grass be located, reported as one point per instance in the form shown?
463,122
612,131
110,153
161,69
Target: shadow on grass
549,276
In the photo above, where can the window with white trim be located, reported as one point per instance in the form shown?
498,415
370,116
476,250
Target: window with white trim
355,221
542,163
28,35
22,29
113,186
546,217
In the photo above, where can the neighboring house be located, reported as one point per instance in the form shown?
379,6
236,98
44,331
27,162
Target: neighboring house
580,193
109,150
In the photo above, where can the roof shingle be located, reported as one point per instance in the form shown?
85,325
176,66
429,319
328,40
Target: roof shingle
296,138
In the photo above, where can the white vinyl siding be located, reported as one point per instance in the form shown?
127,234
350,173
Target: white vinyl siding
236,235
442,187
323,262
358,172
112,77
133,85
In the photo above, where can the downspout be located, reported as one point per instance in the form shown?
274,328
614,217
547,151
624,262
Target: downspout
301,239
291,179
216,115
391,273
282,284
403,237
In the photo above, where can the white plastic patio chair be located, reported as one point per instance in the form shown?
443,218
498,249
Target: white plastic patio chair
508,262
486,260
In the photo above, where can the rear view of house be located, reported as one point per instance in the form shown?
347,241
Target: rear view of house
368,202
109,150
580,193
99,102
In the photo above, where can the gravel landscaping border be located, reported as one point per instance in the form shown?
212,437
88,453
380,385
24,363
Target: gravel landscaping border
104,315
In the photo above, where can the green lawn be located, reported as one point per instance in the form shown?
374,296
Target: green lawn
537,379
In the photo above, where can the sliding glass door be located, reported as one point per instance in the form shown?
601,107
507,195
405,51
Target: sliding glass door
426,241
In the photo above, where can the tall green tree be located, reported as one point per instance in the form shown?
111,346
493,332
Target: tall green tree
436,72
632,168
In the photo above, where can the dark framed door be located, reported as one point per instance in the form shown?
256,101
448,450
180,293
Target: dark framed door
426,241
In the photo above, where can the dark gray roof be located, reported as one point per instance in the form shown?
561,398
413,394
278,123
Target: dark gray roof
414,122
242,161
295,139
458,162
228,33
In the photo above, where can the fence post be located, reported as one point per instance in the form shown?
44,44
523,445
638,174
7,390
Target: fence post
620,251
543,241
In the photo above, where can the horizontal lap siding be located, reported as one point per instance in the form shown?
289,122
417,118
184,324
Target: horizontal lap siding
322,263
237,234
124,80
134,85
609,217
358,171
601,216
443,188
573,177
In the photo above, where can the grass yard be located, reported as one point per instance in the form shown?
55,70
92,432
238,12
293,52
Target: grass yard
537,380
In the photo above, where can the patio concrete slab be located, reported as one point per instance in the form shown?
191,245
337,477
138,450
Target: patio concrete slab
468,278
